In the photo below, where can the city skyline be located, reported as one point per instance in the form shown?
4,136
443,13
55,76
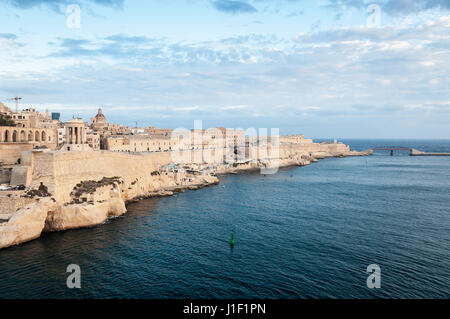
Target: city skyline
324,70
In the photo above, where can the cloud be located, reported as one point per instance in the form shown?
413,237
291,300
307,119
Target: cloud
398,7
248,49
233,6
9,41
8,36
233,107
56,5
295,13
392,7
430,33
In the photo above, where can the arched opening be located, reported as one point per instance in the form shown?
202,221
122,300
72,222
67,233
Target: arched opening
43,139
14,137
36,136
22,136
6,136
30,136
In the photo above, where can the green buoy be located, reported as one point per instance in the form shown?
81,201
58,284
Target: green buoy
232,239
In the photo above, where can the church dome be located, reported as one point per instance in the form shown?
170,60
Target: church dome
100,117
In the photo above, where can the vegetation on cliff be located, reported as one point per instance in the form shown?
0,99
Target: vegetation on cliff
42,191
89,187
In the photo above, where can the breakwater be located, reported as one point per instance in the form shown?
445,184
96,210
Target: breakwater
415,152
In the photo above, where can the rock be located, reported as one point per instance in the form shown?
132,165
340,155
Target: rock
84,215
26,224
102,203
5,217
322,155
356,153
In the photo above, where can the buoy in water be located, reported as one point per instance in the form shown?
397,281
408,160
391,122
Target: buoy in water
232,239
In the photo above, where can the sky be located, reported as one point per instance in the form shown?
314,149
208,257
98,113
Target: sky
326,69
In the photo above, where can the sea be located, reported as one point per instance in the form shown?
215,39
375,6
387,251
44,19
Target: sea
305,232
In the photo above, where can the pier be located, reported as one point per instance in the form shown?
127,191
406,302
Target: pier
420,153
412,151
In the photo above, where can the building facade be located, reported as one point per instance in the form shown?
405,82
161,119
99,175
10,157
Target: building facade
30,127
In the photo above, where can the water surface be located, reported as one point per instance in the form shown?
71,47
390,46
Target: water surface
307,232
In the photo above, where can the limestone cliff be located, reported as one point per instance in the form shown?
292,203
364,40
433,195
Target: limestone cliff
26,224
106,202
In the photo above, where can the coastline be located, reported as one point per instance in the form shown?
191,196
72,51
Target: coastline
94,201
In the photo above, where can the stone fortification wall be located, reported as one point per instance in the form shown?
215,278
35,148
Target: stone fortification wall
62,171
5,175
10,152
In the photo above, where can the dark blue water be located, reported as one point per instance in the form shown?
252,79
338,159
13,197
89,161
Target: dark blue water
306,232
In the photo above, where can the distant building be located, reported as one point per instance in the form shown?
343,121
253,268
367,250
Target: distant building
56,116
93,140
158,132
294,139
61,135
76,136
30,127
99,122
139,143
30,130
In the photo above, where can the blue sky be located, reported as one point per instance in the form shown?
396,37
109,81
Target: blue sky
322,68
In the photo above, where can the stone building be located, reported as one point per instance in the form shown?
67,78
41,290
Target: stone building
61,136
31,130
139,143
76,136
158,132
215,137
189,140
93,140
99,122
31,127
294,139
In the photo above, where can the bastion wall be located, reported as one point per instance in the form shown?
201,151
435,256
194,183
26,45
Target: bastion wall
10,152
61,171
5,175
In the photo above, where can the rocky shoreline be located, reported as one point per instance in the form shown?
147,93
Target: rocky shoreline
95,202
